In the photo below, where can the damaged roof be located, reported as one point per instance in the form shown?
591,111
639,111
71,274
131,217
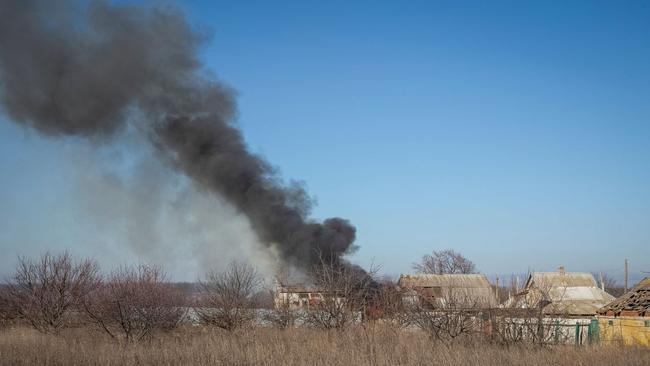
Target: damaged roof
296,288
635,302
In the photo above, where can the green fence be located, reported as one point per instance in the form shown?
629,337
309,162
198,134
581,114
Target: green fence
592,331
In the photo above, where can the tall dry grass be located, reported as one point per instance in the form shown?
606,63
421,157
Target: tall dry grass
302,346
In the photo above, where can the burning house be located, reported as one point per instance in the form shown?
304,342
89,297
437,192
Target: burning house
300,296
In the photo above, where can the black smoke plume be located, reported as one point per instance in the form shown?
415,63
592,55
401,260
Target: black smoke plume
72,69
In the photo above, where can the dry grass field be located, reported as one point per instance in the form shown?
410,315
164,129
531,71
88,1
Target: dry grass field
267,346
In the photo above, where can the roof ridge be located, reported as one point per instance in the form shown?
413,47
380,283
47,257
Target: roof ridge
565,273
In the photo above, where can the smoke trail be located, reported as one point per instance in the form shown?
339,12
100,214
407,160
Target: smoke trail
129,206
87,71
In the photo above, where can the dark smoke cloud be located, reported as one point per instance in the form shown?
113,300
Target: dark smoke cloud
88,70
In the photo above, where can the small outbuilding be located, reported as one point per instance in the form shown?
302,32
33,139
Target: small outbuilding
626,320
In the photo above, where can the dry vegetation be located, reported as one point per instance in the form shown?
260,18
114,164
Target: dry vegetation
59,311
297,346
229,297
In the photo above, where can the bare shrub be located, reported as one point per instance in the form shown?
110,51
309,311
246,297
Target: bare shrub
529,326
387,304
228,298
47,292
445,261
344,290
457,317
7,311
135,302
536,315
283,315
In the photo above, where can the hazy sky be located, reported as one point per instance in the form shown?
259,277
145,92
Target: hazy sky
517,134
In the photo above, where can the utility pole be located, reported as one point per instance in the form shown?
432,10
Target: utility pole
496,290
625,274
602,284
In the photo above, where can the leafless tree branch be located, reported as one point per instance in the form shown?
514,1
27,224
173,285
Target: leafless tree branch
228,298
445,261
47,291
135,302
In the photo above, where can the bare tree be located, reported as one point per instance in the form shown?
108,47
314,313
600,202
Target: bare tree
283,315
610,284
7,311
445,261
458,317
46,292
135,302
228,298
386,304
536,315
345,291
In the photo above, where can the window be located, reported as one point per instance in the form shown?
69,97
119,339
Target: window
610,322
647,323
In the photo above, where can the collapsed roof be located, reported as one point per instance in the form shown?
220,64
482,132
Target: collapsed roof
635,302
